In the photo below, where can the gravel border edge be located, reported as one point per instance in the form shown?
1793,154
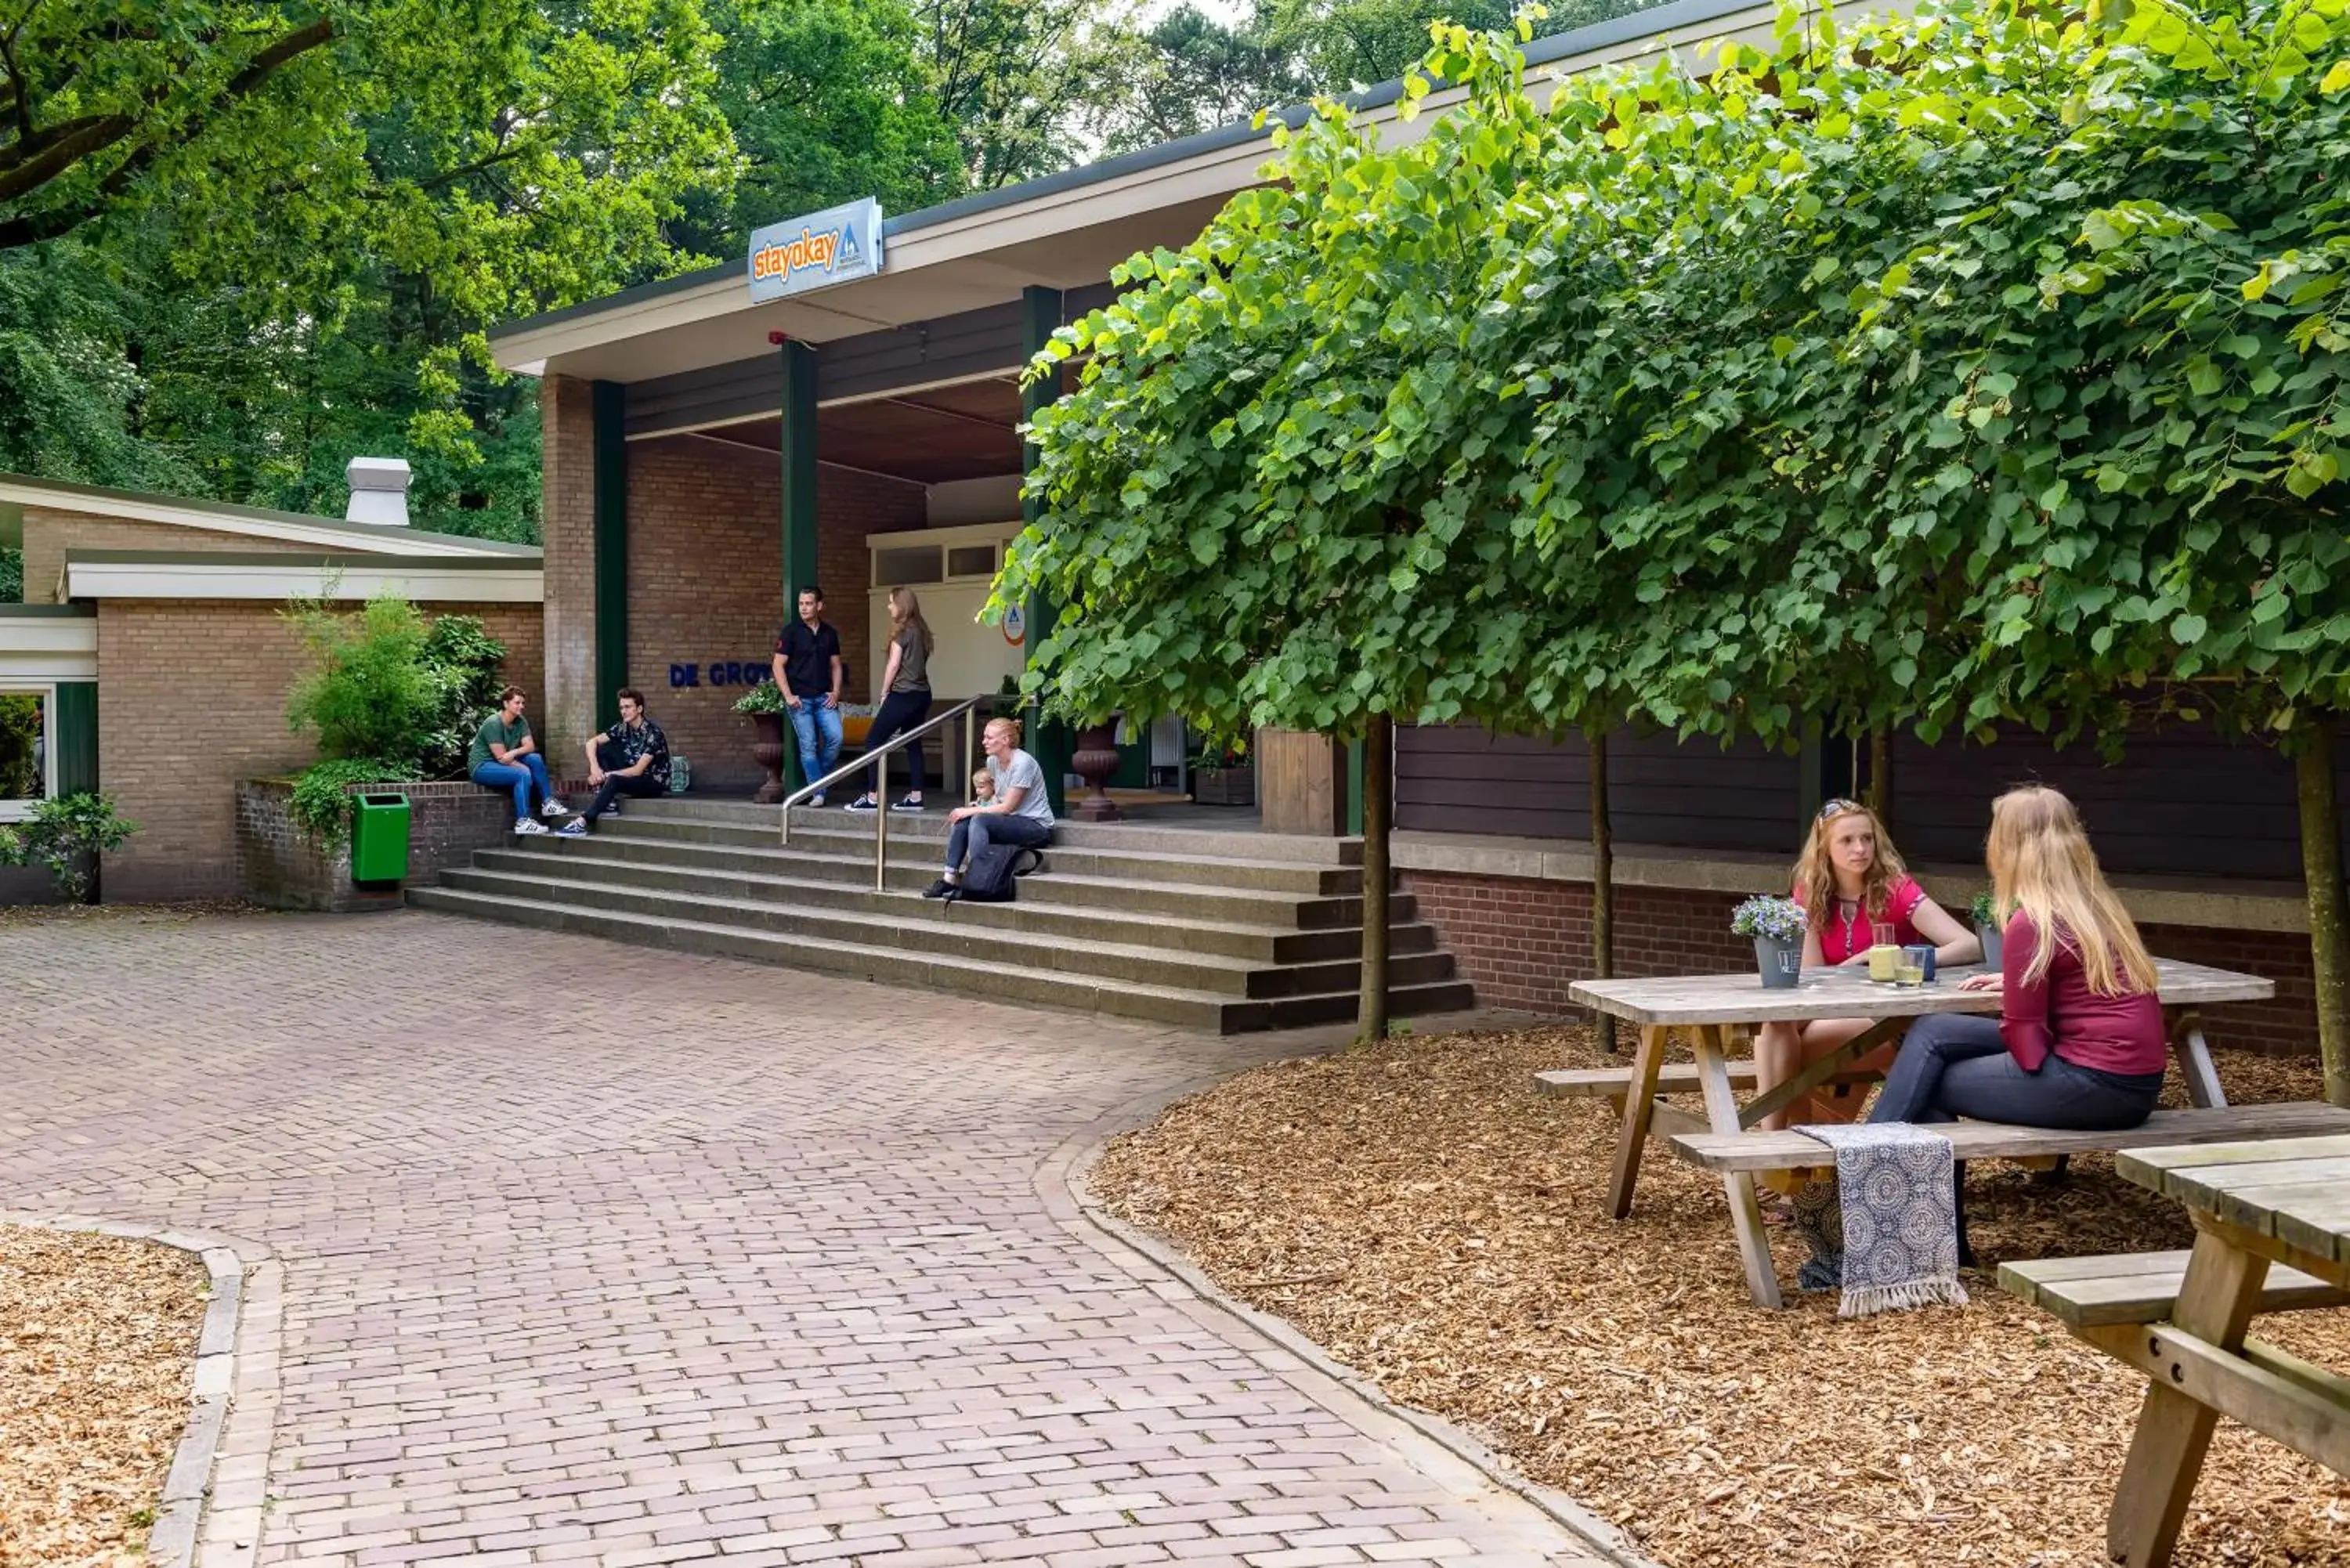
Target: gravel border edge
213,1497
1060,1181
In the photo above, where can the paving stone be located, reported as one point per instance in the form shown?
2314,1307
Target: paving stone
589,1253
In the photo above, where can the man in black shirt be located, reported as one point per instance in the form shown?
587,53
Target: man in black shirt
807,670
631,758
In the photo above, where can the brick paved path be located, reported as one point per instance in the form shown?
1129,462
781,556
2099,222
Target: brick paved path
598,1255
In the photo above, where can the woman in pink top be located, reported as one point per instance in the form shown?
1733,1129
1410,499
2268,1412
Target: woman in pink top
2079,1042
1850,880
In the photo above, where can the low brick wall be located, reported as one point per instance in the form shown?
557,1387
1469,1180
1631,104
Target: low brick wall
279,869
1522,941
26,885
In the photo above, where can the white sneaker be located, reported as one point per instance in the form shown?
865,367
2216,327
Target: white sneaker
524,824
553,807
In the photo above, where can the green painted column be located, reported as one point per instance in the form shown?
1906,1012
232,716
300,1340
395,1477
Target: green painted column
1049,741
798,457
1355,787
1811,768
609,404
75,734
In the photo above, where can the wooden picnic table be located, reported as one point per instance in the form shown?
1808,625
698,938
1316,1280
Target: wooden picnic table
1710,1007
2271,1234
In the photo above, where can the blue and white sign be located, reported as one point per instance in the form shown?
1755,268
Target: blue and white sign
817,251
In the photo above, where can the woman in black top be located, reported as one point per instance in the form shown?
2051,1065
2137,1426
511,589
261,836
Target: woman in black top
905,700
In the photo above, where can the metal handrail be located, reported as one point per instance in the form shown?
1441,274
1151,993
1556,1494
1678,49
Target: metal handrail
880,801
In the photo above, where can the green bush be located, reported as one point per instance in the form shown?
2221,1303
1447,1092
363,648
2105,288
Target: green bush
20,736
62,834
766,697
371,694
391,699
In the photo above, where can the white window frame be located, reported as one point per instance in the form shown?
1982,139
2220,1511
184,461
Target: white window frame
20,808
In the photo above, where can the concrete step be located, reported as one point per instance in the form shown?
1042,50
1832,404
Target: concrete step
1241,906
1138,835
969,977
934,927
1262,944
850,840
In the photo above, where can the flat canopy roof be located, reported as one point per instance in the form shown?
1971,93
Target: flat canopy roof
1065,231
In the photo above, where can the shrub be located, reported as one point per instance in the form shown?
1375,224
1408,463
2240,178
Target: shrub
371,694
20,738
1768,916
63,833
766,697
462,661
1983,911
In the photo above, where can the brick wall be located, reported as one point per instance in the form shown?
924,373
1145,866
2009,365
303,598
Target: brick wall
705,558
192,699
567,469
50,531
1520,942
279,869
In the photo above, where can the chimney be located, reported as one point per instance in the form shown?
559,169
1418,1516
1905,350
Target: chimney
379,491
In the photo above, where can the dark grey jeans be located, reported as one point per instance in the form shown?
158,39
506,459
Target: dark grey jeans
1951,1066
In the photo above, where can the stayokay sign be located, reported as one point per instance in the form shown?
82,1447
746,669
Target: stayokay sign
817,251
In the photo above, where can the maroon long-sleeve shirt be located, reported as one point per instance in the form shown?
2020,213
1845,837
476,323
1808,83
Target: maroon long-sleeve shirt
2061,1014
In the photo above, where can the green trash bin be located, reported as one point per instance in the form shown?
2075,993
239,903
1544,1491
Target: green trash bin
379,838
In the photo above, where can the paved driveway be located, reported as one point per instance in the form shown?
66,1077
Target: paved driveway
597,1254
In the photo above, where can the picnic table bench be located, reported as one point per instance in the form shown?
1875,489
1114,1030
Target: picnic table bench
1714,1008
2272,1234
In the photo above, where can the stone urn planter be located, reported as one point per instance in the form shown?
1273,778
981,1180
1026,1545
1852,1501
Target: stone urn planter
768,750
1094,760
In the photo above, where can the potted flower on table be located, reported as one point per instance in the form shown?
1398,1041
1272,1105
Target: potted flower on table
1776,925
1988,928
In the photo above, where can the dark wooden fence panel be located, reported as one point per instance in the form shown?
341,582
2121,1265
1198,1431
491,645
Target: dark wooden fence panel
1459,779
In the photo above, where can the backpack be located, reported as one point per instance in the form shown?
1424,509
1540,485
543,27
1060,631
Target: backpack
992,875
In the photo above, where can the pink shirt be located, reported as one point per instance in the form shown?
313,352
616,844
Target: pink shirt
2111,1033
1844,937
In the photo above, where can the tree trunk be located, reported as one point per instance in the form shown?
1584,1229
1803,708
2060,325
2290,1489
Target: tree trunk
2321,874
1378,775
1603,885
1880,776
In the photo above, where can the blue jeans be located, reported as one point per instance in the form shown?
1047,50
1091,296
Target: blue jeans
520,777
1952,1065
972,834
817,730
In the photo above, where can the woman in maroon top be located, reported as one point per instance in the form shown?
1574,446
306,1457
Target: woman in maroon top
1850,880
2079,1040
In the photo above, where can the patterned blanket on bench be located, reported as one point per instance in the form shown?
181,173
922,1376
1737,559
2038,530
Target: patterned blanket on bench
1896,1244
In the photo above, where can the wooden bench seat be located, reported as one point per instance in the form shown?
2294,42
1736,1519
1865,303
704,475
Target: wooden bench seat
1791,1150
1672,1078
2140,1287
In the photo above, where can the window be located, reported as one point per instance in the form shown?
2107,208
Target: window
970,560
905,565
28,750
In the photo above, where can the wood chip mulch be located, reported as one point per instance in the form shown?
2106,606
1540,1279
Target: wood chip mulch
98,1349
137,914
1417,1210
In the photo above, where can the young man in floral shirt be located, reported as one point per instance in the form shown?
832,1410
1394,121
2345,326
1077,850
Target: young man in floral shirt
630,758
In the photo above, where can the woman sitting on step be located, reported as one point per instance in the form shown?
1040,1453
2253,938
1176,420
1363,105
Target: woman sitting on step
1020,813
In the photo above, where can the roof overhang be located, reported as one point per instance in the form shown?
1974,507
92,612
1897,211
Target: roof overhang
41,644
18,491
1065,231
227,575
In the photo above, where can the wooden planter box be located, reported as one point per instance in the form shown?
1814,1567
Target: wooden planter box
1224,786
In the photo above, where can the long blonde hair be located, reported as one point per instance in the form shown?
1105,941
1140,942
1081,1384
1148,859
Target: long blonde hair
1816,881
906,610
2041,863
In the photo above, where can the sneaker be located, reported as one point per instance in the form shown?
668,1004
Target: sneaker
817,801
553,807
939,889
862,803
910,804
524,824
613,809
575,828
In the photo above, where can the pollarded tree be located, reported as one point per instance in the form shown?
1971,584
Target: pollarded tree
1254,511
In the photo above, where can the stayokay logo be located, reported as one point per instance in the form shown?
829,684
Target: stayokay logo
827,247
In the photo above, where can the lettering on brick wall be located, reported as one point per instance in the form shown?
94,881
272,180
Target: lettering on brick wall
718,672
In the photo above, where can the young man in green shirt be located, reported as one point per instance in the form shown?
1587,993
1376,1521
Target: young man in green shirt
505,755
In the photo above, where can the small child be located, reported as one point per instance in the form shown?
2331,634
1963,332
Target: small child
983,787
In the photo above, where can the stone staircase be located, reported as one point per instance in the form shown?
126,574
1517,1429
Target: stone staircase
1221,932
